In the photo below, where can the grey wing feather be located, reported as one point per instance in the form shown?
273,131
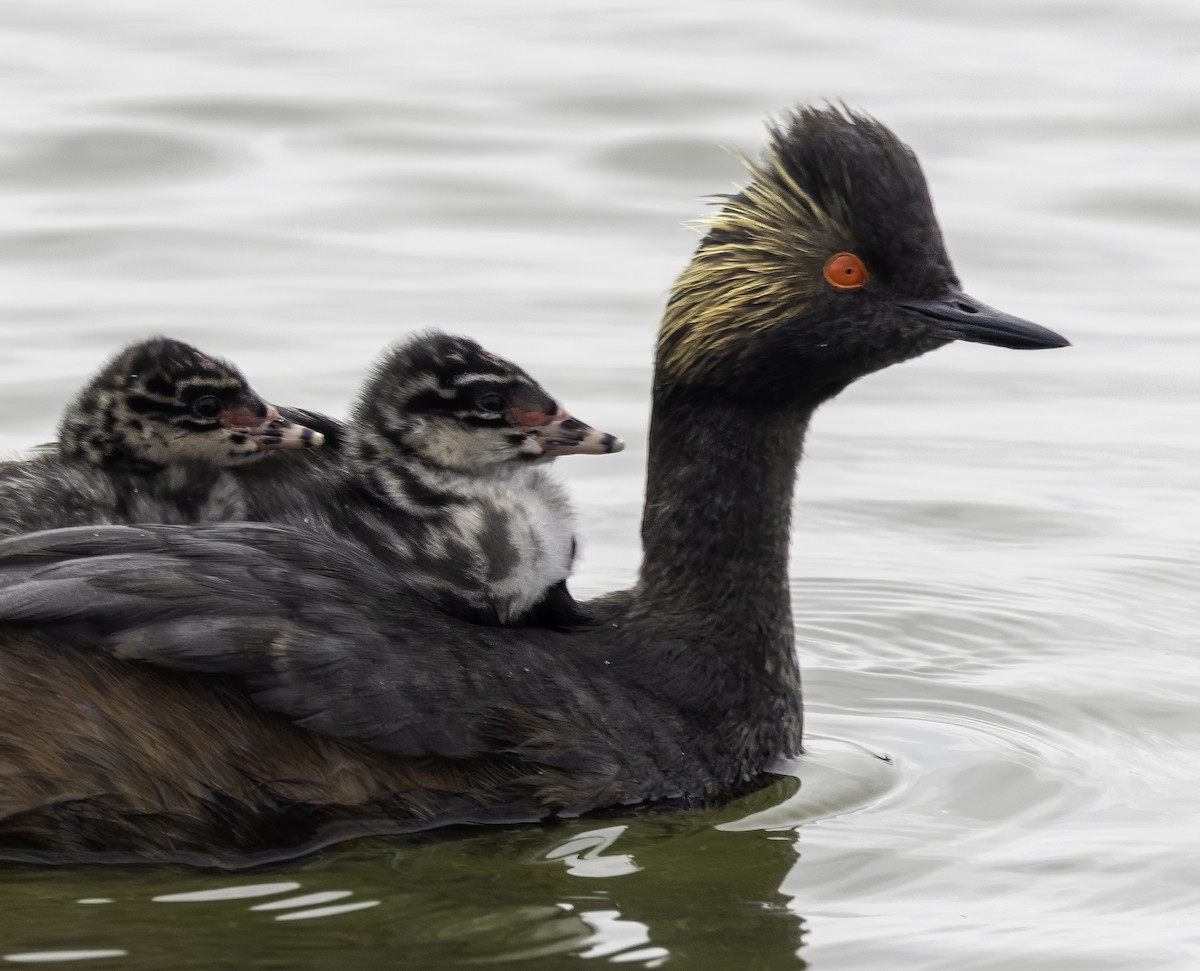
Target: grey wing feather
284,618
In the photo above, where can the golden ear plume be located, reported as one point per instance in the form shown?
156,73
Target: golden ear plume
762,254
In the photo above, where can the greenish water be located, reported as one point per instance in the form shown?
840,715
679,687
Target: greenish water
639,889
996,555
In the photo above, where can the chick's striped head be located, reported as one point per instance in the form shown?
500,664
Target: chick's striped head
444,401
160,402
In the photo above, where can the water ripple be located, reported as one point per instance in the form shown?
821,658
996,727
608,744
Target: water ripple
102,157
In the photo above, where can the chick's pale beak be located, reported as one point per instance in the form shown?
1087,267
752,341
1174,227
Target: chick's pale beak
560,434
964,318
272,430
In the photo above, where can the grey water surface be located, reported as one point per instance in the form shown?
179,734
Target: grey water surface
996,567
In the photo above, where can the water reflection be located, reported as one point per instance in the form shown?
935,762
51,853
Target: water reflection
240,892
702,887
55,957
585,855
693,887
331,911
624,941
304,900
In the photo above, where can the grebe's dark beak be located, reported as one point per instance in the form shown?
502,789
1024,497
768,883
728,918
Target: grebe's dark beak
964,318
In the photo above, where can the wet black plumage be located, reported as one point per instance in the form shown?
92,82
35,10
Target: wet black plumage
387,713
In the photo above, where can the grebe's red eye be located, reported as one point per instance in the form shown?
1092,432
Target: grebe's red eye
845,271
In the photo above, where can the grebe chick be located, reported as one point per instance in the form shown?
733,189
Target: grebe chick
148,439
444,471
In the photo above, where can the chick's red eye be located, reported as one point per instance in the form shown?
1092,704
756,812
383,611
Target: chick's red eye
845,271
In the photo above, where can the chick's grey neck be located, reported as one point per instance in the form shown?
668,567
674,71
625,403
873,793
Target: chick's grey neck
718,508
